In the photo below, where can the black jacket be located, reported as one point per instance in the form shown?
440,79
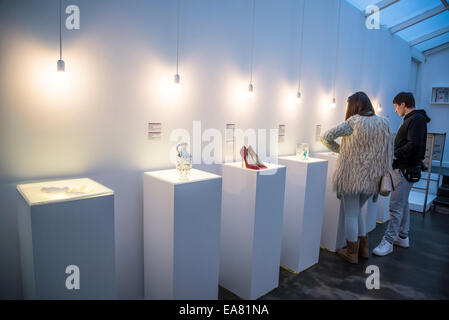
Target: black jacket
410,141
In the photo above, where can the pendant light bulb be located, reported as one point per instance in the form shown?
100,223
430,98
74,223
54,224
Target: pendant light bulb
379,108
298,97
250,90
61,66
334,104
177,79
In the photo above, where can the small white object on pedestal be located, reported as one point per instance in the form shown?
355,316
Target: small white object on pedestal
66,234
303,211
251,229
181,235
333,232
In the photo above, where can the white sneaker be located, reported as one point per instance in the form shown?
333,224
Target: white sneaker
383,248
404,243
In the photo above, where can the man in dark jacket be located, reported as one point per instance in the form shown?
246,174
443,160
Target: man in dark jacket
409,152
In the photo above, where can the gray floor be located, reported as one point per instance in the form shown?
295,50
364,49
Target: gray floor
419,272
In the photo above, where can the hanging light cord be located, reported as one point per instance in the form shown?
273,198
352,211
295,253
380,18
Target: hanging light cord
338,42
301,42
384,57
177,37
252,42
60,29
364,49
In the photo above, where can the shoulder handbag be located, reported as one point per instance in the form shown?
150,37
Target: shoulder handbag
412,174
386,185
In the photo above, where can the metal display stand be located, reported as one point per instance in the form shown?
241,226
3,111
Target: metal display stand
434,151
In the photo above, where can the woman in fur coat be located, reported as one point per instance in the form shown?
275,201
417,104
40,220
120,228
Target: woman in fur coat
364,157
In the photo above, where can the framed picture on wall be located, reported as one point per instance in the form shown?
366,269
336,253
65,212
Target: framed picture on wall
440,95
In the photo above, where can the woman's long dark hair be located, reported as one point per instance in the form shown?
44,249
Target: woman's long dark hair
360,104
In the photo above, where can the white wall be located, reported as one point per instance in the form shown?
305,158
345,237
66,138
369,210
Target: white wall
119,66
435,71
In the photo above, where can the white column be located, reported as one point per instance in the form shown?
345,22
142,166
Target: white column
251,227
181,235
333,232
303,212
68,223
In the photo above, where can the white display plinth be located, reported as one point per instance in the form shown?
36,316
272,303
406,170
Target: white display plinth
416,200
369,212
251,229
305,187
69,224
383,209
181,235
434,183
333,232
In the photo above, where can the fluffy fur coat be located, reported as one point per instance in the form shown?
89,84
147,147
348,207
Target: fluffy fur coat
365,156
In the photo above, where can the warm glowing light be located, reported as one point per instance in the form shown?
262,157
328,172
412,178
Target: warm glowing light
235,93
298,97
60,76
159,83
175,89
60,66
250,90
333,104
379,108
177,79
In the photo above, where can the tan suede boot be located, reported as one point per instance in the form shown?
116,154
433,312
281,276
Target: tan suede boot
363,247
351,252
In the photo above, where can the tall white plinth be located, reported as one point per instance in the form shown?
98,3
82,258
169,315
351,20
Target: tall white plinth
181,235
383,209
333,231
305,187
251,229
369,212
66,236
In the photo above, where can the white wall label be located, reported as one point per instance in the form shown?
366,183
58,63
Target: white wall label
281,132
73,280
154,130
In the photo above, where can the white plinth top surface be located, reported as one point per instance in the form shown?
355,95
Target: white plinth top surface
61,190
171,176
270,166
299,159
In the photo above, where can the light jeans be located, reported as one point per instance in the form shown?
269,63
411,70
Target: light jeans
399,212
354,221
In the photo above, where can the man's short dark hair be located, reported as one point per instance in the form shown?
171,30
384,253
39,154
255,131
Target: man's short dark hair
406,97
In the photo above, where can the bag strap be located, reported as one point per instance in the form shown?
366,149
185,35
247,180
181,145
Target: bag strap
391,178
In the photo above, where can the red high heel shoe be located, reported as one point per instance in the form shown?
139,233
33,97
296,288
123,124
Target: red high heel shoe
256,158
245,157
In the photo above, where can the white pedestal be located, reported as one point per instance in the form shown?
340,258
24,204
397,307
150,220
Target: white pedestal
383,209
61,229
417,196
251,227
369,212
181,235
305,187
416,200
434,183
333,232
